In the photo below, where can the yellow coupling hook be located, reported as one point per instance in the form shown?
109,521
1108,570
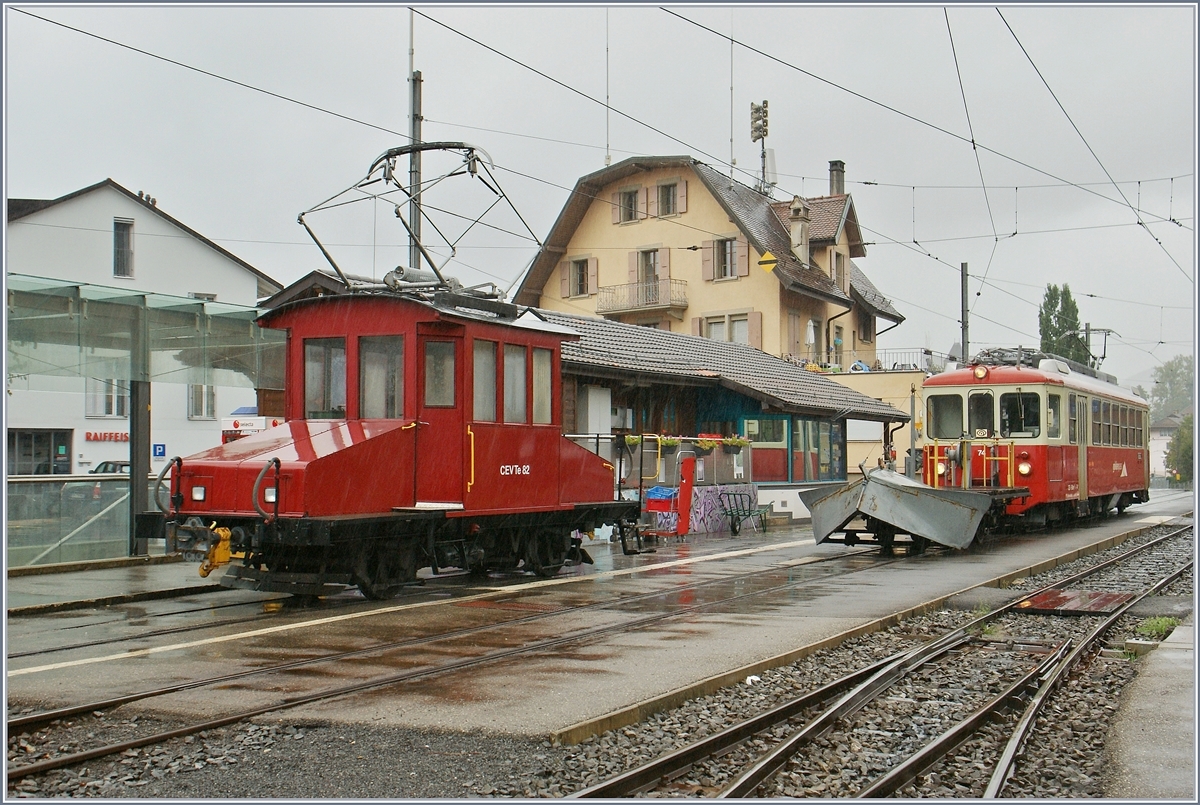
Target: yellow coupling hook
218,552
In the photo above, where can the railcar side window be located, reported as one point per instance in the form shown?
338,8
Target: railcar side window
1053,416
485,381
1097,422
1137,429
981,417
381,377
439,374
1106,433
1073,420
514,383
325,378
541,386
944,414
1020,415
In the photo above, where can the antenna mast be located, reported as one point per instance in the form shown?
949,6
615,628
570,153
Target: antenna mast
414,158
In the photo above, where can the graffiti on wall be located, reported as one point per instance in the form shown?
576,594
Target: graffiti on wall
706,509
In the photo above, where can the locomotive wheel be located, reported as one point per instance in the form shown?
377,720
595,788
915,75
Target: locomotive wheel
546,552
382,566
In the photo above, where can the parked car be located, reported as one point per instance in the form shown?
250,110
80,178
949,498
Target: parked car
81,497
110,468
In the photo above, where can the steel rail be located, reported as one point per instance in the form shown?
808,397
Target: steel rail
745,784
643,777
34,720
1004,767
931,753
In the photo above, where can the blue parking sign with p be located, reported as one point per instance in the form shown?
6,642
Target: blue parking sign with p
159,451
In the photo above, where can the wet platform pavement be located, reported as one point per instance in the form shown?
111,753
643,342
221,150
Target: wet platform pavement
1153,738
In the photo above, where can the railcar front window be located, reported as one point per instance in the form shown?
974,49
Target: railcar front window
381,377
325,378
981,416
945,416
1020,415
439,374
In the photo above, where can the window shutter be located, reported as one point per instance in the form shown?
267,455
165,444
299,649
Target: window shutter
643,201
564,278
754,320
616,208
633,258
743,258
697,325
706,258
593,275
652,202
664,263
681,196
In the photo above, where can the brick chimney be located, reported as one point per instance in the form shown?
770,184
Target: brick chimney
837,177
798,222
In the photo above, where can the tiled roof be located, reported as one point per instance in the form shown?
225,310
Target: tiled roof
756,216
865,292
630,349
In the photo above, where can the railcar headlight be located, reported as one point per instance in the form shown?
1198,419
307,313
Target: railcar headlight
980,372
198,493
269,494
941,468
1024,468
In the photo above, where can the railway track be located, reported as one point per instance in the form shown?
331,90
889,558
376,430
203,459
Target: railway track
889,727
129,749
22,724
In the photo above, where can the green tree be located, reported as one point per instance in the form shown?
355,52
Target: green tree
1172,389
1058,325
1179,451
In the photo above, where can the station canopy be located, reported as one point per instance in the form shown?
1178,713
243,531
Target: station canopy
69,329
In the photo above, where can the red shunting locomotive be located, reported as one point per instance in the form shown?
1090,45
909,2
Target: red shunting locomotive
422,430
1073,442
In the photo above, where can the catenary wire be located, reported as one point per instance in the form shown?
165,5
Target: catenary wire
1090,151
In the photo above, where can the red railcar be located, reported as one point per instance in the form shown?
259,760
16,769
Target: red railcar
421,431
1068,439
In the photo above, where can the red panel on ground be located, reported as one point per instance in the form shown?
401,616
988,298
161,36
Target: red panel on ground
1074,602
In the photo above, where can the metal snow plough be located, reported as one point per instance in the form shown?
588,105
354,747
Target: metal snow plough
885,503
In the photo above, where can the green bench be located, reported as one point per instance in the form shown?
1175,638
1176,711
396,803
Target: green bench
739,507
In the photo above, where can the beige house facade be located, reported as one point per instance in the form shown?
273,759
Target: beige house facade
670,243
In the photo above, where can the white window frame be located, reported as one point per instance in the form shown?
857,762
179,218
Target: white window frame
672,190
629,214
726,322
208,405
106,398
725,265
123,254
579,278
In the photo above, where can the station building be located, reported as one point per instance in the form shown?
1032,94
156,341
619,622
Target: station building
112,247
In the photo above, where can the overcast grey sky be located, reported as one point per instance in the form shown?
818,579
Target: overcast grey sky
877,87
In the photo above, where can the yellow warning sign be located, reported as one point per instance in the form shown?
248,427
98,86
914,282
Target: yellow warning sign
768,261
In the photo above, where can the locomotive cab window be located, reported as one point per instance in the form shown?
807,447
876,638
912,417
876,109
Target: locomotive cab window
325,378
945,416
381,377
541,386
439,374
1020,415
981,415
515,392
485,381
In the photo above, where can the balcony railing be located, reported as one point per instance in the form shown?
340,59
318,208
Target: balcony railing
656,294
